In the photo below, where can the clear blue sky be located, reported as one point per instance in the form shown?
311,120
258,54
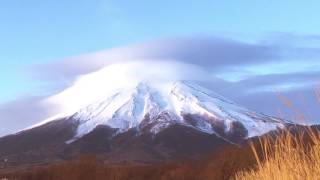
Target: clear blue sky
40,31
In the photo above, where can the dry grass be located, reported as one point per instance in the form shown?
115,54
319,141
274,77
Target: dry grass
289,157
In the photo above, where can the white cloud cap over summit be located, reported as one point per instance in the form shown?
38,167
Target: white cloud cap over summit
106,81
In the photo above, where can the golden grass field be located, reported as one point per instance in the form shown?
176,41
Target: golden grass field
287,158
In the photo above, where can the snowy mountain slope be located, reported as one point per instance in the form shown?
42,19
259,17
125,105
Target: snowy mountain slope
143,104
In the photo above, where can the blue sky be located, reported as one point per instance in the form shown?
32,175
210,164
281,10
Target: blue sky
36,31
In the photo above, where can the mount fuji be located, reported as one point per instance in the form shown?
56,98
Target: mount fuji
124,118
158,106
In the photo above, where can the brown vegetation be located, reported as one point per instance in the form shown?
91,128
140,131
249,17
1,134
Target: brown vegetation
289,157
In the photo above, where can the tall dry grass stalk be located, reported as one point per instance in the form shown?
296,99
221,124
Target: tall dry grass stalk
289,157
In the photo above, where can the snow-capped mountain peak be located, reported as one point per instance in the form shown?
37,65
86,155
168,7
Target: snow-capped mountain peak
160,105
